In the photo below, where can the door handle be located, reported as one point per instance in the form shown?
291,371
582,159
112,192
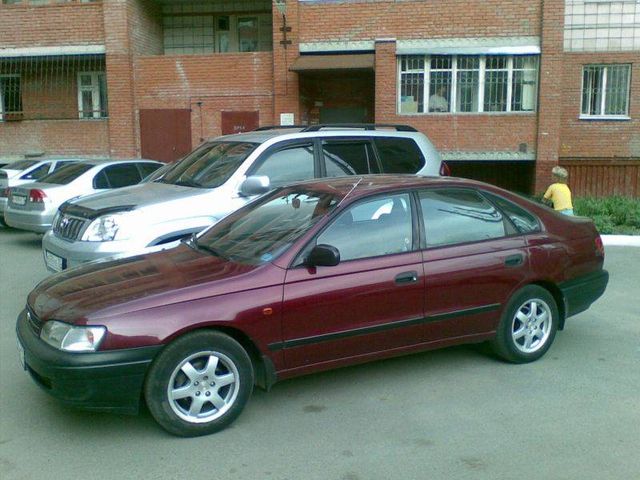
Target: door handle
407,277
514,260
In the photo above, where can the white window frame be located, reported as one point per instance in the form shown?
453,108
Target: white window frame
12,75
481,85
603,92
94,88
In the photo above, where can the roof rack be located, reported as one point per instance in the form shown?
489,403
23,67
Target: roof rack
277,127
363,126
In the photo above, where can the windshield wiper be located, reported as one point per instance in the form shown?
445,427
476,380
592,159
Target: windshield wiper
192,241
188,183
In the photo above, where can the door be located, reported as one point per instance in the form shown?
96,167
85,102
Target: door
473,261
238,122
371,301
165,134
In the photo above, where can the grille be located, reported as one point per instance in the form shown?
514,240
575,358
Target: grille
68,227
34,321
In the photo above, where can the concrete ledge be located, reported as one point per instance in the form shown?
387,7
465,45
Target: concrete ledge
621,240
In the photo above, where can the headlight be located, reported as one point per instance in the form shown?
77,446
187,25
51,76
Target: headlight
71,338
106,228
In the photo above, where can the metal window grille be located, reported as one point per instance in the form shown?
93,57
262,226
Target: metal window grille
468,83
602,25
49,87
605,90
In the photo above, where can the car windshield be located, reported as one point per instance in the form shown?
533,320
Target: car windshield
66,174
210,165
264,229
21,165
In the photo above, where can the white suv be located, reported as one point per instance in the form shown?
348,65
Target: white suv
219,177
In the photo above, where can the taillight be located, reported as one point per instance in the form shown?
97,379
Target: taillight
445,171
37,196
599,246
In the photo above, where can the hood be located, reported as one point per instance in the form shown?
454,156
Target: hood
103,289
137,196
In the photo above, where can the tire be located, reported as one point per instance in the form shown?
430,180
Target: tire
199,384
528,325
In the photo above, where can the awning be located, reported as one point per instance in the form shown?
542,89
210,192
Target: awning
52,51
310,63
470,46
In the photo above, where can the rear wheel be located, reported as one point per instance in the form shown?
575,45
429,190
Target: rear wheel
199,384
528,325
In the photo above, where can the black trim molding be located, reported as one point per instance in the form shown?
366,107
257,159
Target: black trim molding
327,337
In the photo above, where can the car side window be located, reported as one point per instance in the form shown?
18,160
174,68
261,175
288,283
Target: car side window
147,169
453,216
100,181
122,175
381,226
348,157
288,165
524,221
399,155
59,165
37,173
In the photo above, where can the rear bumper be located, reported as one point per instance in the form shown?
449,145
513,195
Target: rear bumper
35,221
579,293
101,381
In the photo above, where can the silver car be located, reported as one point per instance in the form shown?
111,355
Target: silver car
33,206
219,177
26,171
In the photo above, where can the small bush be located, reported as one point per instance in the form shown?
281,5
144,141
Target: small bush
619,215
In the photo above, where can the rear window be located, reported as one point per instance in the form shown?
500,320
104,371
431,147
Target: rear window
66,174
21,165
524,221
399,155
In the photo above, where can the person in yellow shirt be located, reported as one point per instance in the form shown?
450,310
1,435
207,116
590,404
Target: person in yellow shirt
558,193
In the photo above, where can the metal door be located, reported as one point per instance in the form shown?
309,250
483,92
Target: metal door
165,134
238,122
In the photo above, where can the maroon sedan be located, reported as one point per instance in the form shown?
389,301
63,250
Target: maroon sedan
309,277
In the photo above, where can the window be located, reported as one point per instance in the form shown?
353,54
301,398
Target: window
92,95
348,158
605,91
203,32
10,97
372,228
454,216
288,165
399,155
61,164
122,175
37,173
66,175
467,84
147,169
524,221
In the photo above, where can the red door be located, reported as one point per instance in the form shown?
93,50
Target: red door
165,134
372,300
238,122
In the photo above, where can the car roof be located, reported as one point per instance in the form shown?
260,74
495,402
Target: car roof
363,185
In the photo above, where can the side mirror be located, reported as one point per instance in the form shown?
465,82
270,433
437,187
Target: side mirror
255,185
323,256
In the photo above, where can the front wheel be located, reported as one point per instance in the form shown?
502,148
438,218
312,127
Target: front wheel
528,325
199,384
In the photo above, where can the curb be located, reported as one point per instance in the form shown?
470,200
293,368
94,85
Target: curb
621,240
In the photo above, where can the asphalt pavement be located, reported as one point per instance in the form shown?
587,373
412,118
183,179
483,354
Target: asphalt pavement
456,413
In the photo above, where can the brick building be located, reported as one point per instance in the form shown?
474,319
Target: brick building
505,89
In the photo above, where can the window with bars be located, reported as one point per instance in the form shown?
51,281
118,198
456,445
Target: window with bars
92,95
605,91
10,97
467,83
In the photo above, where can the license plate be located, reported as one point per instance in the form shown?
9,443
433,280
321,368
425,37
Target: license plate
21,355
53,261
18,199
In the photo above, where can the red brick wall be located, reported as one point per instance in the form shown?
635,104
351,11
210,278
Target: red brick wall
598,138
55,137
47,25
146,27
241,81
418,19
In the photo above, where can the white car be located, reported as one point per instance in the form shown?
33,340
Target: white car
33,206
26,171
219,177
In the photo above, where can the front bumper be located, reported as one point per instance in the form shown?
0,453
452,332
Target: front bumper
34,221
101,381
579,293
